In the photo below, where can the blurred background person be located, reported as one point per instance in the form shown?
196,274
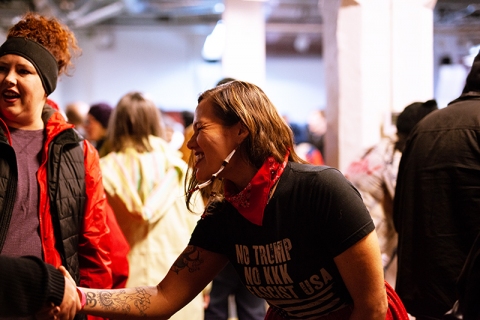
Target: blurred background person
316,129
96,125
76,113
375,176
174,131
308,152
57,215
187,117
143,177
306,135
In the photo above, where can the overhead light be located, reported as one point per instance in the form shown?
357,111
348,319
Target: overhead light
302,43
134,6
219,7
214,45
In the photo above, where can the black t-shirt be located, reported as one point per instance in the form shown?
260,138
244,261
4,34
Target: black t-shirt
314,215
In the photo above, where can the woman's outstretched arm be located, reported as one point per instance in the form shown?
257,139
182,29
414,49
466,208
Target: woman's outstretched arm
187,277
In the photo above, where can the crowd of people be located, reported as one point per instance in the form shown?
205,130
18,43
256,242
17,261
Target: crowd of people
104,215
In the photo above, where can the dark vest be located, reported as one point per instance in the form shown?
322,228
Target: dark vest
66,191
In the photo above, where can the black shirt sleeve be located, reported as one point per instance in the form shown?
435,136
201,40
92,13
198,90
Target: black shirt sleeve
27,284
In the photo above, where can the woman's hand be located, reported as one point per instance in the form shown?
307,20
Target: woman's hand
70,304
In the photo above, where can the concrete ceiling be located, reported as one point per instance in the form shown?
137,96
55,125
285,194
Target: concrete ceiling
88,13
289,23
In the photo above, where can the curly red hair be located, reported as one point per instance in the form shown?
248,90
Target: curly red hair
50,33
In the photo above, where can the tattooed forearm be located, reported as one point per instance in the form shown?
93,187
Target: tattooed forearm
120,301
190,258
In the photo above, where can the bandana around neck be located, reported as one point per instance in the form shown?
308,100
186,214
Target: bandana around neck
252,200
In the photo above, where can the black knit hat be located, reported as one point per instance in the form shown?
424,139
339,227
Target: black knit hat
41,58
413,113
101,112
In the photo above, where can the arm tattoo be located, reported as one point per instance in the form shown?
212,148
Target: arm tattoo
190,258
120,301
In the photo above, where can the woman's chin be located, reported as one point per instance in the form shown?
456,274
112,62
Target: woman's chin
201,178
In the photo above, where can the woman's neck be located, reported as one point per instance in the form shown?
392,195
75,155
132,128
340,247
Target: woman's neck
240,174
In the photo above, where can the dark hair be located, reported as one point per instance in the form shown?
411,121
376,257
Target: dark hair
225,80
187,117
101,112
413,113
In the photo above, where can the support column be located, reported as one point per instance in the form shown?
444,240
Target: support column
245,54
378,58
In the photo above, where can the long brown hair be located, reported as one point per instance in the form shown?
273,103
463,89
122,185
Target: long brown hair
269,134
133,120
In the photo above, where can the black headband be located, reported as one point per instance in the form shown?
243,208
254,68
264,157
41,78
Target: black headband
42,59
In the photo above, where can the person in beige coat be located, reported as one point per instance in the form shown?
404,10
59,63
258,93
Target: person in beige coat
143,178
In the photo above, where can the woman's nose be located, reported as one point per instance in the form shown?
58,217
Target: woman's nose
10,78
192,142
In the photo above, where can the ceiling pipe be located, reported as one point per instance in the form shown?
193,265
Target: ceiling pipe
81,11
99,15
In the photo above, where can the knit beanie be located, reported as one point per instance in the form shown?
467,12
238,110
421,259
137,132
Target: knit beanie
413,113
40,57
101,112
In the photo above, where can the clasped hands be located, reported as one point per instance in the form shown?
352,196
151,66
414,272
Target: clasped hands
71,303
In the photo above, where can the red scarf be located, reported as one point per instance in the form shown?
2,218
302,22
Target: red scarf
252,200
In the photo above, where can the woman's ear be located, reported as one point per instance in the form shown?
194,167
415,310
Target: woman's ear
242,132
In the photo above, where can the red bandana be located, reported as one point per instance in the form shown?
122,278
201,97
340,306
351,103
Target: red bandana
252,200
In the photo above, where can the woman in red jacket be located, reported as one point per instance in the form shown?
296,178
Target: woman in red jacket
53,203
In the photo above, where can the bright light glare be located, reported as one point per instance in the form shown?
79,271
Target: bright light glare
219,8
215,43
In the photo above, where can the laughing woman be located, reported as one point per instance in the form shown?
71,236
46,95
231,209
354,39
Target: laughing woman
298,235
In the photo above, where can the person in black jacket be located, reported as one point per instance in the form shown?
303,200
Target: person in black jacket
437,203
467,306
27,284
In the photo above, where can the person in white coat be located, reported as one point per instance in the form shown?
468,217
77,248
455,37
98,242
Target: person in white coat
143,178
